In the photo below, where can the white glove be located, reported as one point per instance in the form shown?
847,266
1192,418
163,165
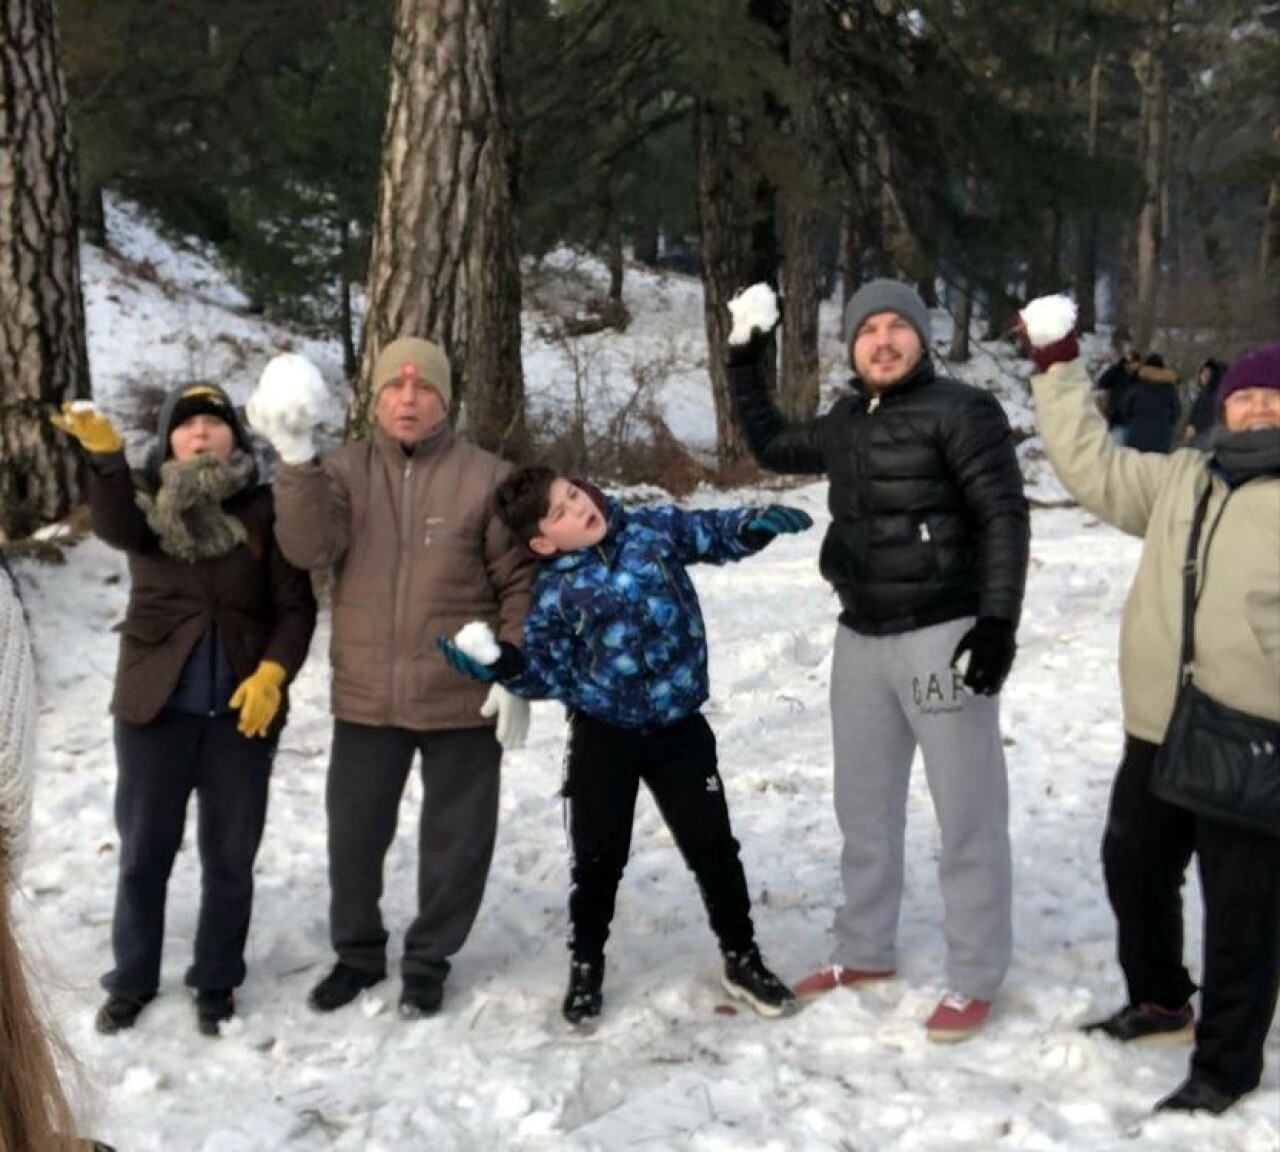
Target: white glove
513,717
754,307
287,405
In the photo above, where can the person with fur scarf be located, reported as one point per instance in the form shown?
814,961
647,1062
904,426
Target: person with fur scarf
218,624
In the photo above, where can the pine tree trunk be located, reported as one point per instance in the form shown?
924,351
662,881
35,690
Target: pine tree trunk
1151,218
1086,272
802,221
733,218
43,357
444,263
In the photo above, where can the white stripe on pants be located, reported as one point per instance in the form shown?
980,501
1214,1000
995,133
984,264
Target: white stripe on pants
890,694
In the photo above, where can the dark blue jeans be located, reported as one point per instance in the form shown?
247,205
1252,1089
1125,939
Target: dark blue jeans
160,765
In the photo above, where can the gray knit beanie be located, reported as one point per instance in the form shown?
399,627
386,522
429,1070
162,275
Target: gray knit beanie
877,296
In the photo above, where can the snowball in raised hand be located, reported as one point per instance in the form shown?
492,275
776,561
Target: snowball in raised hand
753,309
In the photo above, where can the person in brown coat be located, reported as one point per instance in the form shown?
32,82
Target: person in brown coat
405,518
218,623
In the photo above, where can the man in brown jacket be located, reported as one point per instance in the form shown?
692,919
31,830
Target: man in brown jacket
405,520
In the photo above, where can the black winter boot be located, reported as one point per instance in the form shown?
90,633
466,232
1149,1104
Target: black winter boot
745,977
585,998
341,986
213,1007
120,1012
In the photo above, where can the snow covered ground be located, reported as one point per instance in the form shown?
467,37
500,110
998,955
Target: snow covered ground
665,1070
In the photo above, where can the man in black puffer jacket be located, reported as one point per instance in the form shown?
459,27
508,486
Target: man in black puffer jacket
927,550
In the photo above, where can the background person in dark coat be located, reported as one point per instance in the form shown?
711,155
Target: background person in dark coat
1115,384
927,550
1203,417
1150,408
218,622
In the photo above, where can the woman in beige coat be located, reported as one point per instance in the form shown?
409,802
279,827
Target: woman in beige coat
1149,842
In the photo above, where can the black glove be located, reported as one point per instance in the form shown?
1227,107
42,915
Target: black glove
991,649
752,352
775,520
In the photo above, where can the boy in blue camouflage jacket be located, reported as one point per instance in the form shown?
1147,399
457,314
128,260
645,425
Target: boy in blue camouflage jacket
615,632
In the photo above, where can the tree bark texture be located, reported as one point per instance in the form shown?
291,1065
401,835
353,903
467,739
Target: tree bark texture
43,356
802,224
1155,117
444,263
733,214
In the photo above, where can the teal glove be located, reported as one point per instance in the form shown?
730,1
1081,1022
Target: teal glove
775,520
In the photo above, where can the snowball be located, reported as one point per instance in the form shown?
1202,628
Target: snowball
476,640
754,307
290,394
1048,319
81,406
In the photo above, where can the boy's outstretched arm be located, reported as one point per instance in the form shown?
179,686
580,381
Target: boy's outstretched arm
717,536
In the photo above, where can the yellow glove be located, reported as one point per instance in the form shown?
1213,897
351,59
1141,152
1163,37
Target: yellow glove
94,431
258,698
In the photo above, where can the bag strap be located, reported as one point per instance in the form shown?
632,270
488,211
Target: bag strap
1190,567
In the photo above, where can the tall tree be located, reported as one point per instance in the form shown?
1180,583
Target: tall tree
43,357
444,263
1152,67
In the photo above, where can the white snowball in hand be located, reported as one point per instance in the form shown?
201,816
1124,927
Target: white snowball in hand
81,406
754,307
1048,319
290,394
477,641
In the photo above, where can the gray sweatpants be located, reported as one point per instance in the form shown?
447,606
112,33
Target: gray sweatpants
890,694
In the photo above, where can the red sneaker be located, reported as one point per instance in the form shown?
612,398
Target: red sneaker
956,1018
836,976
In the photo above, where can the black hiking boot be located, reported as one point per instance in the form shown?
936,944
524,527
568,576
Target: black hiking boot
420,997
120,1012
1196,1095
213,1007
1146,1024
340,987
745,977
585,998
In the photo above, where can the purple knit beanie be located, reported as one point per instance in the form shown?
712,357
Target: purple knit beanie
1257,368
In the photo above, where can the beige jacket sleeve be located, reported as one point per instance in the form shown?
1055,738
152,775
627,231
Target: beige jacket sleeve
1118,485
313,512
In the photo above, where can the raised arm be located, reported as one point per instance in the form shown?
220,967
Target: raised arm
1118,485
313,513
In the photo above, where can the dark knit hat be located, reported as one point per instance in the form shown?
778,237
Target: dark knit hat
410,356
199,399
1257,368
877,296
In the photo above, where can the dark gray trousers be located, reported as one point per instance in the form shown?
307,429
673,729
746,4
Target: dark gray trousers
160,765
368,770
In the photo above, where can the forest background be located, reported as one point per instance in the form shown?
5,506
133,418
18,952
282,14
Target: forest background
372,170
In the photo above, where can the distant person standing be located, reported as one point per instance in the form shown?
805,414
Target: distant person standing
1150,407
1115,384
928,552
1203,417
